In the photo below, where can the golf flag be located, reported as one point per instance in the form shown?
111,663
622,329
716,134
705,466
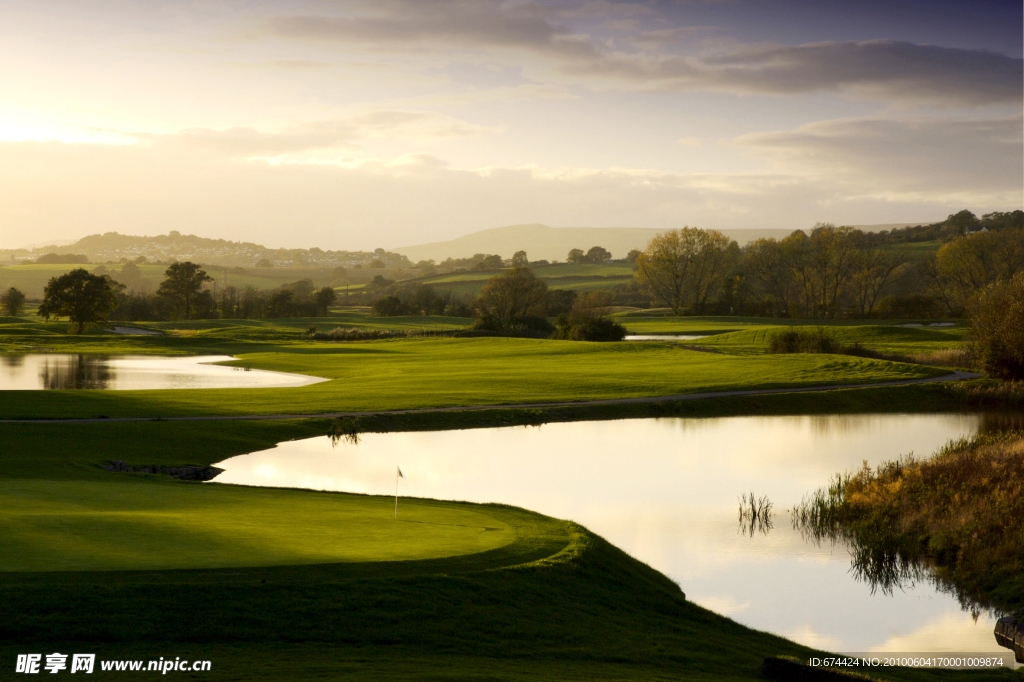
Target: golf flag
398,476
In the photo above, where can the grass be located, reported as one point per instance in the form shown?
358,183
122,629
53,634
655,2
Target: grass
130,525
424,372
662,321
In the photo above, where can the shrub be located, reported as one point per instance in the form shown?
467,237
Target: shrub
817,340
594,329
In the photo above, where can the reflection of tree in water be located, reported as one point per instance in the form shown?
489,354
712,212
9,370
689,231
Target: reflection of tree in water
76,371
344,429
882,561
12,360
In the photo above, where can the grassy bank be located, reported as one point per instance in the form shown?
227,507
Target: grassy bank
957,513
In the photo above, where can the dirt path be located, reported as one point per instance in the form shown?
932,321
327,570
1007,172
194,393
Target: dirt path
955,376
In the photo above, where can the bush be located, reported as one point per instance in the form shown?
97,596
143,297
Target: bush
593,329
389,306
997,329
817,340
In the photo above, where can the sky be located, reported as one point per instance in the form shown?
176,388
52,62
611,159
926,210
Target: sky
354,125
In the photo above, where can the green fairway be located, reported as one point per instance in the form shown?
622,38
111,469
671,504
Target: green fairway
91,526
418,373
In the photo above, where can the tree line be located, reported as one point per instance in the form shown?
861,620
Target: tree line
831,272
89,299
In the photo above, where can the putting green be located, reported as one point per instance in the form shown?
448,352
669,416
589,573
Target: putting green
139,524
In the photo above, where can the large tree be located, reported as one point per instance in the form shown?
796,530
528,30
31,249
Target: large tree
510,297
997,328
771,275
684,268
183,287
966,265
82,297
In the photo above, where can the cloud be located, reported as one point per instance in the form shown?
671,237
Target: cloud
296,64
441,24
338,133
884,70
875,70
906,155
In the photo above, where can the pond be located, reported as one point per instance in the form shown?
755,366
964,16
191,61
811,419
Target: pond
42,371
665,490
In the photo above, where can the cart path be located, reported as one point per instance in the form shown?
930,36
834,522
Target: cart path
955,376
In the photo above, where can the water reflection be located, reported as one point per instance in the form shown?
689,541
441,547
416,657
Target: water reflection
45,371
665,490
75,371
12,360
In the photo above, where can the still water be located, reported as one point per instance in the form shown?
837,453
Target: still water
37,371
665,490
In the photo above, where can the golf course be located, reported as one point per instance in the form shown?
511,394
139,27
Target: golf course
265,581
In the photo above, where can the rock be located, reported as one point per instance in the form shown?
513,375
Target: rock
1009,633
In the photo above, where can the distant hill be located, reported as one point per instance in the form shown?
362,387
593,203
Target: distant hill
174,246
553,243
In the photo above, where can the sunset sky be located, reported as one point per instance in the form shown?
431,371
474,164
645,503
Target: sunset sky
356,125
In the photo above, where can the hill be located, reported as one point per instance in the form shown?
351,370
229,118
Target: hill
112,247
553,243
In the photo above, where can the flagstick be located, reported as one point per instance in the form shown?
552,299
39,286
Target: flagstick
396,494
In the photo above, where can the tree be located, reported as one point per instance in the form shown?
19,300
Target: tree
967,264
324,297
683,268
963,222
378,285
833,252
519,259
12,302
576,256
598,254
511,296
997,328
389,306
771,275
131,277
182,286
82,297
874,270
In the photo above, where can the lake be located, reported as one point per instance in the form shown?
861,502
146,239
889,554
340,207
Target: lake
43,371
665,490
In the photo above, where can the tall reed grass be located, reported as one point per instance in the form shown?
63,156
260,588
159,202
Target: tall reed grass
959,512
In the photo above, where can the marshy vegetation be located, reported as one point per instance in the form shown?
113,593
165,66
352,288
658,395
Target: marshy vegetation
755,514
957,514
